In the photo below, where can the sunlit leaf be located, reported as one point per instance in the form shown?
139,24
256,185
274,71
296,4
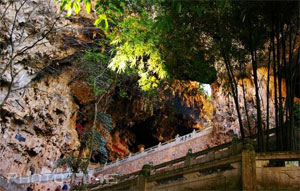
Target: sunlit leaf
76,7
88,6
102,21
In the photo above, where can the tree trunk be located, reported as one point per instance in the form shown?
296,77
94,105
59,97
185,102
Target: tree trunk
281,126
234,91
246,108
278,134
260,134
268,102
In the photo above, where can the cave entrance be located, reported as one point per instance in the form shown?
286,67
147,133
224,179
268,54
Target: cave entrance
145,134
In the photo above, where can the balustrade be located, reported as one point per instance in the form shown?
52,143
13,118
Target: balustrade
161,146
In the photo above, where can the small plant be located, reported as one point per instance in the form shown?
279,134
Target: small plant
76,164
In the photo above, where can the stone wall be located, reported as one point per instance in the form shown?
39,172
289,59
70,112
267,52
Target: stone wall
278,177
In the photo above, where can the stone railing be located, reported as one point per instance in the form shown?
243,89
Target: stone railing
54,176
7,184
159,147
42,177
230,166
60,176
214,153
246,170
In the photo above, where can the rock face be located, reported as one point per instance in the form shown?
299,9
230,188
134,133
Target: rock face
38,127
37,124
225,120
38,121
143,121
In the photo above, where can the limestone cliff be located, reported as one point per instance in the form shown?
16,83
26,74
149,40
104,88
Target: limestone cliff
225,118
37,124
37,128
47,101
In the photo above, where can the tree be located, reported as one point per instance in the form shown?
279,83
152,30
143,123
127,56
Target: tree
16,38
93,69
76,164
283,21
188,38
139,44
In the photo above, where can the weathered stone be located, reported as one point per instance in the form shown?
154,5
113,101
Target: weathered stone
248,170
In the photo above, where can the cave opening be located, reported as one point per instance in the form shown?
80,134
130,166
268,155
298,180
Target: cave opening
147,132
144,134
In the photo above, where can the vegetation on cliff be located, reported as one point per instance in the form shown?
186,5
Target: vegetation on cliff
143,68
160,40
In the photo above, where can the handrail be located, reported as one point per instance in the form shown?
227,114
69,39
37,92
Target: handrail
160,146
209,150
177,140
204,165
216,148
204,152
9,185
131,174
169,163
282,155
194,155
181,159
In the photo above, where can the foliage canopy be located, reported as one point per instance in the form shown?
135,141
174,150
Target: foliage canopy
166,40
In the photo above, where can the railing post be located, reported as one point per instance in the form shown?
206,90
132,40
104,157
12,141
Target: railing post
233,147
248,167
177,140
142,178
193,133
188,158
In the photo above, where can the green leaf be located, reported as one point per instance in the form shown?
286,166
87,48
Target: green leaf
179,6
69,12
102,20
244,17
105,24
69,7
63,4
76,7
88,6
99,19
